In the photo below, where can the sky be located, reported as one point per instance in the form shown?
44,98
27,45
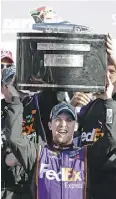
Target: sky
100,16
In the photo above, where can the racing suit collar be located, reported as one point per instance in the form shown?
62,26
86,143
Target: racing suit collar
59,147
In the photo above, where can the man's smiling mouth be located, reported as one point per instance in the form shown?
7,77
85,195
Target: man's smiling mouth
62,131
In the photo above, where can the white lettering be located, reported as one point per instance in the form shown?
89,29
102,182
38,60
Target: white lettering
15,25
88,136
114,19
72,185
66,174
52,175
43,169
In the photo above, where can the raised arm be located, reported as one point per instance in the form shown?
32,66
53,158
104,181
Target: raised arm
100,151
22,147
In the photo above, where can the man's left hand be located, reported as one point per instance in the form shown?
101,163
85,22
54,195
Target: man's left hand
111,50
109,88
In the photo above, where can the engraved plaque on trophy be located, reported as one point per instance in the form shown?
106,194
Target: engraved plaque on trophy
63,61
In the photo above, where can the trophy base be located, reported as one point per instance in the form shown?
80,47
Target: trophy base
74,88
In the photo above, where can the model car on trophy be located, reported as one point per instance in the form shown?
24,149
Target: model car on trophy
60,55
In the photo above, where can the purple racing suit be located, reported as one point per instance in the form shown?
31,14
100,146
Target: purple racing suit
62,174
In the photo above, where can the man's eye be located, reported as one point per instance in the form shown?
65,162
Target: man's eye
57,119
69,120
112,71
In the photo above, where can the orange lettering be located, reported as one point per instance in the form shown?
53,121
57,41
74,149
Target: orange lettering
34,112
98,134
30,129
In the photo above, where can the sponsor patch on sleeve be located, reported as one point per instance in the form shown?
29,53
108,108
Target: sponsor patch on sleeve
109,115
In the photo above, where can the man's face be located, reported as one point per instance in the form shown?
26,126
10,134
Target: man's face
112,71
63,127
5,63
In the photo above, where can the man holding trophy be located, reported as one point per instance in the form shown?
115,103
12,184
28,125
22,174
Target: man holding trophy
61,169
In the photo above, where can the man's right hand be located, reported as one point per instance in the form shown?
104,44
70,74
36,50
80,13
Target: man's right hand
9,92
80,99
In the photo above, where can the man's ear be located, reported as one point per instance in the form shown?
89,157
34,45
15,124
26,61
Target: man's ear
49,125
76,126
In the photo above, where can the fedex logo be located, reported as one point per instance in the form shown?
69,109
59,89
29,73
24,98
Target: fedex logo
92,136
66,174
